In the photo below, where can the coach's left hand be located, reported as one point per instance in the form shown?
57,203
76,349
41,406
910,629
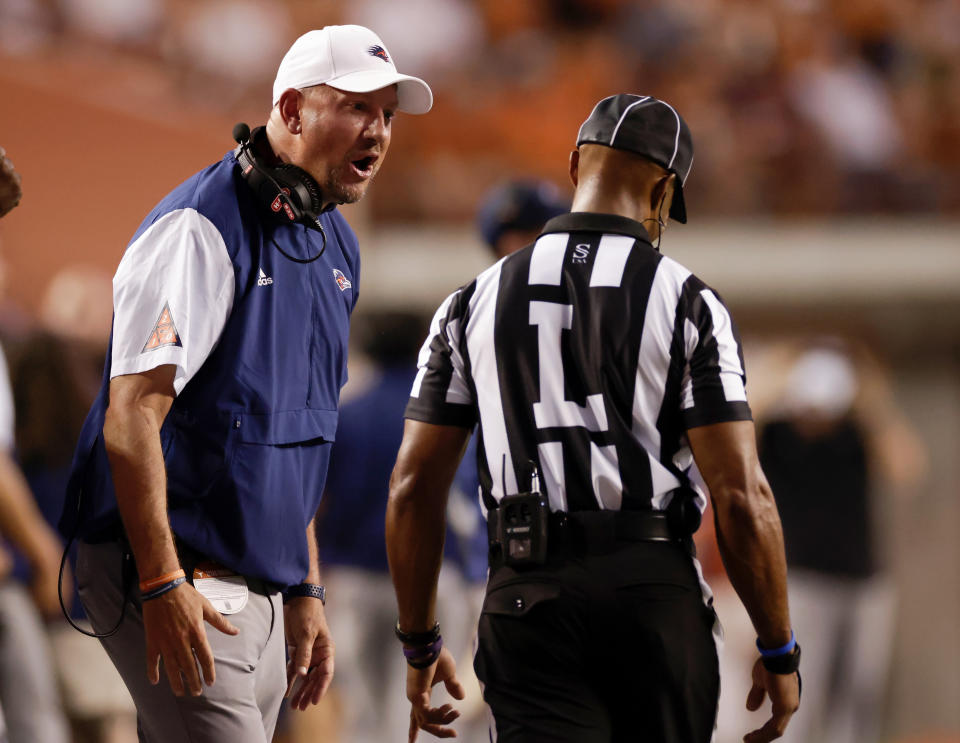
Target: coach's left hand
310,649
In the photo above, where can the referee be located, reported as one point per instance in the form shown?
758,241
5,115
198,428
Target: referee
598,371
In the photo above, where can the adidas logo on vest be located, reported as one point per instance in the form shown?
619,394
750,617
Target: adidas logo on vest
264,280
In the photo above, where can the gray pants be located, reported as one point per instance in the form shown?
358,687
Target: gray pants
241,707
28,687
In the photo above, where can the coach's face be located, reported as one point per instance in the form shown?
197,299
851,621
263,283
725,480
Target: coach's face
343,138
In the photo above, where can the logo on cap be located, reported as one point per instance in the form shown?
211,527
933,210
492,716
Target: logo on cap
378,51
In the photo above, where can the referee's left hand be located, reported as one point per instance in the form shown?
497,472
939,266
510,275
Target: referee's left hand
784,693
311,651
419,683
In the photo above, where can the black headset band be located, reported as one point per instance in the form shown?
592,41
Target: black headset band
287,191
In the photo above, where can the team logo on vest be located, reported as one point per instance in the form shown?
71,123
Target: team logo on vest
164,332
264,280
379,52
581,252
342,281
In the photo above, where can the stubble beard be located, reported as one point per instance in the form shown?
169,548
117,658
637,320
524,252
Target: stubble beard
335,190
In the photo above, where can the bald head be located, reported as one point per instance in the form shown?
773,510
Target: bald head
614,181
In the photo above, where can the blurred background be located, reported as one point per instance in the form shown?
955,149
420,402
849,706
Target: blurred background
824,206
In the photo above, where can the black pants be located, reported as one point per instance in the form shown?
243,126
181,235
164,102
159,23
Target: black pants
600,649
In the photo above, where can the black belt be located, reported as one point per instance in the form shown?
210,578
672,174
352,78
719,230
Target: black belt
601,531
580,533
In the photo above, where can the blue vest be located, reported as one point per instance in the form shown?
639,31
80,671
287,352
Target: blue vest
246,442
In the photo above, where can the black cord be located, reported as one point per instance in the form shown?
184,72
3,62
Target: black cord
659,221
303,260
126,571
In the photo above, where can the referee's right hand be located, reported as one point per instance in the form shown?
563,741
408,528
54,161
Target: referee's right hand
419,683
784,692
173,625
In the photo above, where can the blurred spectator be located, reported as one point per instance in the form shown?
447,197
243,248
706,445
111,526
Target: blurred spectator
361,608
513,213
118,22
28,689
834,436
228,46
456,32
800,107
10,191
77,306
56,375
53,390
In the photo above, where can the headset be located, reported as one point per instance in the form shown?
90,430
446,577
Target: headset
287,191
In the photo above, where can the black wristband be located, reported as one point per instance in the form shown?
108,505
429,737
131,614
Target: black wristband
418,639
306,590
783,664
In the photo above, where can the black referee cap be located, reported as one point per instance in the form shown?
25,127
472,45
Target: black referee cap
646,126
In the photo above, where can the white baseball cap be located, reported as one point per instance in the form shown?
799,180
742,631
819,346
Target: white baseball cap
349,58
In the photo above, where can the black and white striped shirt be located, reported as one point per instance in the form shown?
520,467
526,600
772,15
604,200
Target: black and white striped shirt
588,354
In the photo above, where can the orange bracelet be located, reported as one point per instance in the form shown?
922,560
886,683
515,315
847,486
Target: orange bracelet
147,585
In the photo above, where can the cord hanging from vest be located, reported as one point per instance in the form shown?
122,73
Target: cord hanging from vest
286,255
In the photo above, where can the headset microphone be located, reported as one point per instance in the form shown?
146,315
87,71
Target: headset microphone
241,132
285,190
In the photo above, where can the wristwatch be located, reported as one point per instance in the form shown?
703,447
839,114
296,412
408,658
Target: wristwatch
783,664
308,590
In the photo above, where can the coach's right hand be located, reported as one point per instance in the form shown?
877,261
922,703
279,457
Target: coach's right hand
784,692
173,626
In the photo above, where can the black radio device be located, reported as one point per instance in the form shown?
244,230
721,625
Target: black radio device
520,526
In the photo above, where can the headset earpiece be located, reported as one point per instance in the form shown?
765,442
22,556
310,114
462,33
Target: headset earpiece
286,190
304,191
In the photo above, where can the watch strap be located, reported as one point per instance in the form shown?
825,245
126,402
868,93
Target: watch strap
306,590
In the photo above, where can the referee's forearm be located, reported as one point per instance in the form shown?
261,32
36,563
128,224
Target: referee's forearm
415,526
750,539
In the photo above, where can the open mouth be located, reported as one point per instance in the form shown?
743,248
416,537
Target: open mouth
364,166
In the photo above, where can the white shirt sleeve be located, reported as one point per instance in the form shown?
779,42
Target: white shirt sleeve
6,407
172,294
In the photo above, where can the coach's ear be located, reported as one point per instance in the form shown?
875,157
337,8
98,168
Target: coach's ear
574,167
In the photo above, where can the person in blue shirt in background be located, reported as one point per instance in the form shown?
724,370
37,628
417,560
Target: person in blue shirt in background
370,675
513,212
351,524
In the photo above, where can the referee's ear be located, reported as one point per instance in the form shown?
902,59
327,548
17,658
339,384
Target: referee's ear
662,195
574,167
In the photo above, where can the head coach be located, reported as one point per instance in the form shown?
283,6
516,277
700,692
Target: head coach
598,371
201,464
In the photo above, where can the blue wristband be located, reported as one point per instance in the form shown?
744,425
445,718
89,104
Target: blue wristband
777,652
162,589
